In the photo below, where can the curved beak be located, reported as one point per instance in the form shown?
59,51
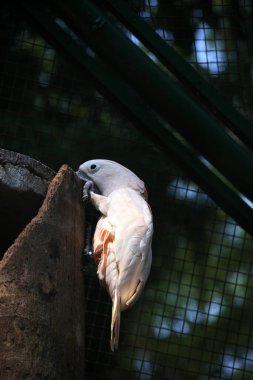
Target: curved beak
83,176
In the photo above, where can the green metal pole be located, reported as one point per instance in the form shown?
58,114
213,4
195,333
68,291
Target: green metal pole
119,90
154,85
203,90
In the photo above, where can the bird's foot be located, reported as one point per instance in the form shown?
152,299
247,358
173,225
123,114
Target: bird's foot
87,188
88,254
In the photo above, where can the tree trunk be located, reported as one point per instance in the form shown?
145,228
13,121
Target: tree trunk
41,277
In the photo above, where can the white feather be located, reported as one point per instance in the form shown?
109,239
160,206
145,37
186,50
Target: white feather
122,240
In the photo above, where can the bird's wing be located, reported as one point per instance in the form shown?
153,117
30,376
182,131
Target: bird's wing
104,255
135,260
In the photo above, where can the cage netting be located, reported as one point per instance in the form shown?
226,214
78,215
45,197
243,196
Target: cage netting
194,319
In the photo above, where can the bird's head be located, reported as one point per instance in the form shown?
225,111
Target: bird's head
109,176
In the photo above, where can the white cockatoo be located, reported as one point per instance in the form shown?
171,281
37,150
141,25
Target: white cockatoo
122,239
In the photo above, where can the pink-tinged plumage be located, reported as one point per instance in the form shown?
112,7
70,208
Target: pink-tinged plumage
122,239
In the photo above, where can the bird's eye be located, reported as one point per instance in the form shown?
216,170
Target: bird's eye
93,168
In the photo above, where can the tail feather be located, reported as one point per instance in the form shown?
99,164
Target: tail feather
115,323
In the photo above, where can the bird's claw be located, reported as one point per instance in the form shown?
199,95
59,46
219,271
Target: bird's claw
88,252
87,188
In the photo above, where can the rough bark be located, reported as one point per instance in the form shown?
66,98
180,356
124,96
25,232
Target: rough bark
41,277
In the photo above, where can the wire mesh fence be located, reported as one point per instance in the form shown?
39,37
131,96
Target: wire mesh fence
194,320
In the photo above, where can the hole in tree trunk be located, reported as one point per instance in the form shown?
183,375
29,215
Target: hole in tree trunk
23,187
16,211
